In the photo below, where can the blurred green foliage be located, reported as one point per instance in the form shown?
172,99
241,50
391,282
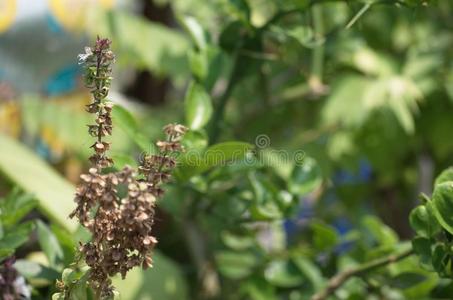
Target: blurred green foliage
354,100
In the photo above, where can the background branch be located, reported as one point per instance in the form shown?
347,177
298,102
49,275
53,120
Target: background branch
338,280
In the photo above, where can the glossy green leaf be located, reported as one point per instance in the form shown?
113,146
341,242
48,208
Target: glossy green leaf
446,175
422,220
196,32
442,200
198,106
34,176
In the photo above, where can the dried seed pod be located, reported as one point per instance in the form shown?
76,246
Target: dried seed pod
121,227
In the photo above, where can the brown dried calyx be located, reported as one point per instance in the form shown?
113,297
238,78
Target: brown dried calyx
121,226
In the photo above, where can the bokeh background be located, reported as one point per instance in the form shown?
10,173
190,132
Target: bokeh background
363,88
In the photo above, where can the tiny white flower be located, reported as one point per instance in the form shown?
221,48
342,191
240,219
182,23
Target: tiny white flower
83,57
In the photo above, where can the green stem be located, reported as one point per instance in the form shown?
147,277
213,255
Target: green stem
318,51
219,112
358,15
338,280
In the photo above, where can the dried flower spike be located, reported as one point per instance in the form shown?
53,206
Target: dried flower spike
121,227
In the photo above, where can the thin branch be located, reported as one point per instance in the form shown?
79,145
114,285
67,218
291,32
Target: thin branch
358,15
218,115
338,280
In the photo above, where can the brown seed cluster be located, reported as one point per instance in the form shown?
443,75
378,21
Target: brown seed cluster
121,225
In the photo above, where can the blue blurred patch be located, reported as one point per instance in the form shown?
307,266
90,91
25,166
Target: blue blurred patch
53,24
42,149
304,214
64,81
363,174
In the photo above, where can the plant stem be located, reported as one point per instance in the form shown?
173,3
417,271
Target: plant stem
358,15
338,280
218,115
318,52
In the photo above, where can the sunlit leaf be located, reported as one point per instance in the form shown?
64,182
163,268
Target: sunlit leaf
198,106
33,175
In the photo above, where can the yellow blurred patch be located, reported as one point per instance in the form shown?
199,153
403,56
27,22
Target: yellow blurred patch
10,120
7,13
72,13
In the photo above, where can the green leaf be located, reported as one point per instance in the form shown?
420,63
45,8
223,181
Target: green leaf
265,205
310,270
406,280
16,238
236,241
325,237
231,36
58,296
69,276
15,206
422,220
259,289
240,9
422,247
31,270
441,260
446,175
236,265
195,140
49,244
283,273
442,200
198,62
126,121
143,43
381,233
5,252
198,106
164,281
196,32
34,176
193,163
303,34
305,177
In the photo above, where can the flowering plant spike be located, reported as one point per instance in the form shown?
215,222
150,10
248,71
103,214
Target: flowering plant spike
121,226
